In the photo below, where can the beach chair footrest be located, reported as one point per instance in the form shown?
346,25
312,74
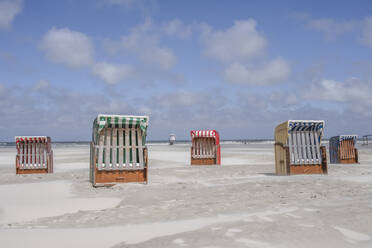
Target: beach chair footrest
203,161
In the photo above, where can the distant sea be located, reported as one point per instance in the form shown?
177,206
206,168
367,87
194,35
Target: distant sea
157,142
165,142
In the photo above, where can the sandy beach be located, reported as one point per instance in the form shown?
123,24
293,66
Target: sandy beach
239,204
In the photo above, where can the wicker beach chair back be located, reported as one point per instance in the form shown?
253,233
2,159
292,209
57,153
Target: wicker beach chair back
298,143
342,149
304,140
205,145
34,154
119,142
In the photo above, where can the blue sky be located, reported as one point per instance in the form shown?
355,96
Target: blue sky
240,67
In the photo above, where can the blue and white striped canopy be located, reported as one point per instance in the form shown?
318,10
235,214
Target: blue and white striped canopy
348,137
306,125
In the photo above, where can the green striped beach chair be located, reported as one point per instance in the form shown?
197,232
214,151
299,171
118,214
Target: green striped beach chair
118,152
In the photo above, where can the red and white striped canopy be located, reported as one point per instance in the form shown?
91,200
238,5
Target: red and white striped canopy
40,139
204,133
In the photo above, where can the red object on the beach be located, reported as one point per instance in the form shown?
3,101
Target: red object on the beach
34,155
205,149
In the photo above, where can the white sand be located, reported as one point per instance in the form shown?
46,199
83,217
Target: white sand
239,204
24,202
130,234
352,236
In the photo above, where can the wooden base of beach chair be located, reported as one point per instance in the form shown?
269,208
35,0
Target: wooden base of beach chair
295,169
118,153
351,160
31,171
109,178
34,155
305,169
203,161
348,161
205,148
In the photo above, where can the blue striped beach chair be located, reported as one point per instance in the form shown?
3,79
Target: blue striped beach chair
118,152
298,148
342,149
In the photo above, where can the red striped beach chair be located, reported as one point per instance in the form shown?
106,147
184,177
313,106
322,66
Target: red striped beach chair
205,149
342,149
34,155
298,148
118,150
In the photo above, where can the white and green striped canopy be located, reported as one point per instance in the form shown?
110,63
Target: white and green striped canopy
118,121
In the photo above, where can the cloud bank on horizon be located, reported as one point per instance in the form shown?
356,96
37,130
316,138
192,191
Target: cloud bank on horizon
231,66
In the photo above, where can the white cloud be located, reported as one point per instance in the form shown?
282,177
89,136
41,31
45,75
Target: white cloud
332,28
241,42
331,90
275,70
367,32
241,50
284,100
8,10
76,50
64,106
2,89
68,47
145,44
41,85
145,7
160,56
246,114
179,99
111,73
354,94
177,28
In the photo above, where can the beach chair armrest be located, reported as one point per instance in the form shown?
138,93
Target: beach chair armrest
280,144
323,151
145,156
17,161
356,156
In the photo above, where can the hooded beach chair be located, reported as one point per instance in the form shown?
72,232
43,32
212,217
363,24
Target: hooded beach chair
342,149
298,148
366,138
118,151
172,139
205,149
34,155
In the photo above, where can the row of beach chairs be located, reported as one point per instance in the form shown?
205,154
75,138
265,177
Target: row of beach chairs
118,151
